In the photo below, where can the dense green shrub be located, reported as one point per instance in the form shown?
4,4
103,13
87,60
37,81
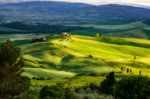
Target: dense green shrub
93,96
69,94
57,92
53,92
133,88
93,86
30,94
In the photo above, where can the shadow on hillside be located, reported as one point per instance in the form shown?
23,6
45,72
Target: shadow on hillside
119,41
80,65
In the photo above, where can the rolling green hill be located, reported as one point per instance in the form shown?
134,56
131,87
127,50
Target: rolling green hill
133,29
82,59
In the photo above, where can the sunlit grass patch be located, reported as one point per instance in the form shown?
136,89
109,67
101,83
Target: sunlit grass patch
46,73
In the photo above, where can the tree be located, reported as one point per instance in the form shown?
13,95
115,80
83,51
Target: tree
90,56
140,73
127,70
11,63
121,68
107,85
133,88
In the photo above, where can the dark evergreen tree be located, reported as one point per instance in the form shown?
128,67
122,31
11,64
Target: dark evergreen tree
11,63
127,70
107,85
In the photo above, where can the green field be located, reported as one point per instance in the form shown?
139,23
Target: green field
81,60
135,29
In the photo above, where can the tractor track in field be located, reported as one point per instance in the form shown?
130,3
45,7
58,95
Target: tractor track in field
109,64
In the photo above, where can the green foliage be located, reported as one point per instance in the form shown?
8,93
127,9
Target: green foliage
93,86
21,84
30,94
11,63
107,85
93,96
53,92
57,92
69,94
133,88
21,27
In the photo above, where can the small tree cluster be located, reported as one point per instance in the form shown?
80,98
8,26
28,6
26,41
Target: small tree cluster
128,70
41,39
66,36
56,92
135,87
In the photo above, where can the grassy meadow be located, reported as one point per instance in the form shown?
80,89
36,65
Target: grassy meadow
82,59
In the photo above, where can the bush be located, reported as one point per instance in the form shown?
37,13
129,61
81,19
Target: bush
133,88
30,94
90,56
57,92
93,86
69,94
93,96
136,87
41,78
33,77
53,92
